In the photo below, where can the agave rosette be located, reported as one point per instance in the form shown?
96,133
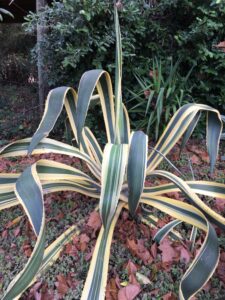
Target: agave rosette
118,174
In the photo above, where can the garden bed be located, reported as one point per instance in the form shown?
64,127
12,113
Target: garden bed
138,266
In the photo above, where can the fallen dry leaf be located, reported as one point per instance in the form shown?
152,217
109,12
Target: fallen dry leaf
140,250
169,254
185,255
111,290
220,205
16,231
61,284
154,248
129,292
94,222
196,160
170,296
131,267
84,239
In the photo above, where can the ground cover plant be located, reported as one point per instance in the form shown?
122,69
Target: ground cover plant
116,176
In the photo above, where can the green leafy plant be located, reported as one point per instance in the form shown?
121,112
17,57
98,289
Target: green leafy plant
80,36
117,178
161,94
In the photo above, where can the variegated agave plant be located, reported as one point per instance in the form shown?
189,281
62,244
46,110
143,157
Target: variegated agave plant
118,179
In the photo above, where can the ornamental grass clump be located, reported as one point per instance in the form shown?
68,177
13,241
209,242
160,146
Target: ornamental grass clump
117,177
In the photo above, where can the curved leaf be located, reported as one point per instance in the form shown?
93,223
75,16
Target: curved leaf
29,193
192,197
136,169
180,122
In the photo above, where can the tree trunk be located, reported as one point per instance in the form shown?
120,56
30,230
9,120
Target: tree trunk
42,80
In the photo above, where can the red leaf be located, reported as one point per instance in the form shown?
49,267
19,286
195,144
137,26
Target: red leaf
94,222
196,160
89,255
220,204
221,271
168,252
129,292
131,267
185,255
154,250
140,250
133,280
4,234
70,249
84,239
62,286
111,290
174,195
16,231
169,296
145,231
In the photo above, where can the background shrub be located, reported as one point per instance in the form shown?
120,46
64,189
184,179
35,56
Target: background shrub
80,36
15,63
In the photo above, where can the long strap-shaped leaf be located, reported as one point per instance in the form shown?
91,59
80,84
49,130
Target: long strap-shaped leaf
192,197
95,284
48,170
8,199
205,263
179,124
7,182
136,169
53,107
119,138
89,81
67,178
150,220
162,232
64,96
46,145
93,148
113,170
206,188
126,126
30,196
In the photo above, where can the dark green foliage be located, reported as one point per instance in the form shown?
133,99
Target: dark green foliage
15,63
80,36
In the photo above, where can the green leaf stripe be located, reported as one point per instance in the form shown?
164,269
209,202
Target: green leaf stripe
192,197
113,171
165,230
206,188
53,108
96,280
136,169
180,122
47,145
89,81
